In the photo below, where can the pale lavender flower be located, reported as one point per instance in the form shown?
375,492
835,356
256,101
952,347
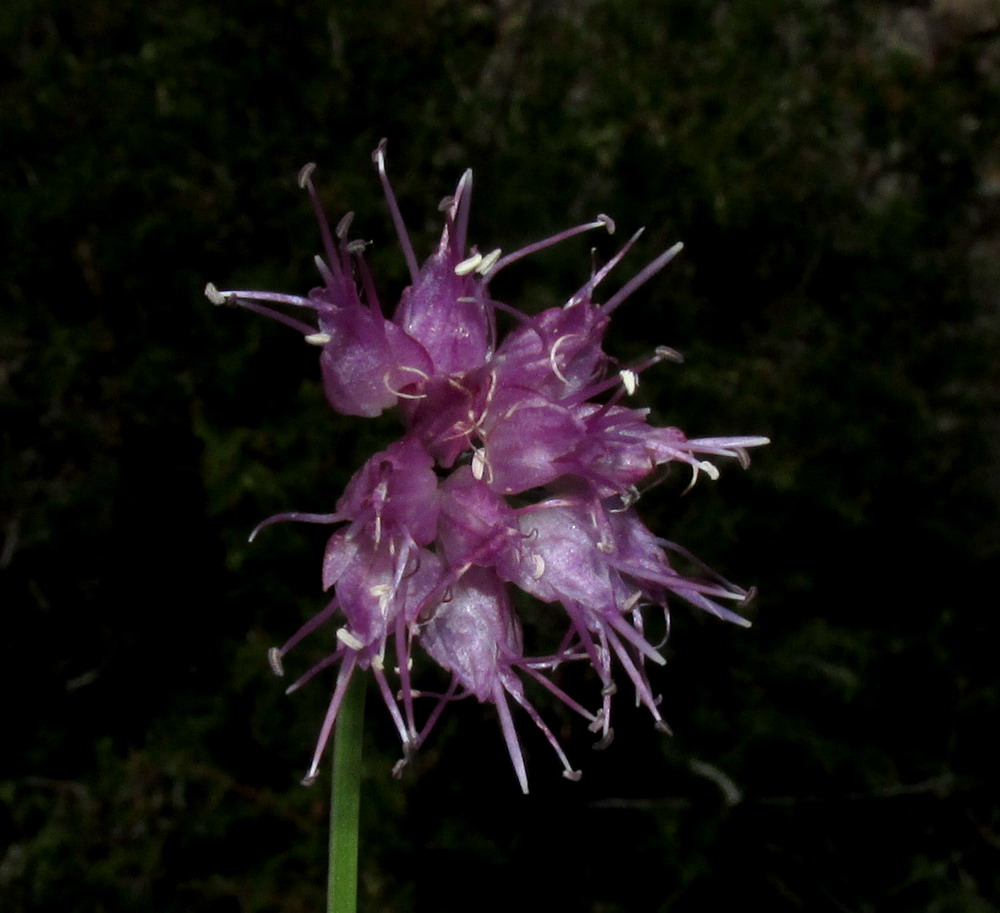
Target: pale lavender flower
519,466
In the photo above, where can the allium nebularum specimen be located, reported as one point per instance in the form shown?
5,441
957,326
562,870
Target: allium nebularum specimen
519,466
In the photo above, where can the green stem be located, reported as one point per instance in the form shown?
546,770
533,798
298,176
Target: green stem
345,803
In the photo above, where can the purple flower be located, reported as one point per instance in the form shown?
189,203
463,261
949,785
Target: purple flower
519,466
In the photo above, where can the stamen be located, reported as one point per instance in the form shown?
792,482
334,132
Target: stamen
215,296
318,339
378,157
274,658
602,221
357,247
344,226
552,355
349,640
399,393
324,270
305,182
630,380
641,277
480,466
669,354
487,262
468,265
305,174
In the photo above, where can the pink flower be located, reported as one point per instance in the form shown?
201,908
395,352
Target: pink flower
519,466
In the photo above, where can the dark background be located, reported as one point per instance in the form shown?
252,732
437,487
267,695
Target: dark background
834,170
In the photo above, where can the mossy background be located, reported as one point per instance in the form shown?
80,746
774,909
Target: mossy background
834,170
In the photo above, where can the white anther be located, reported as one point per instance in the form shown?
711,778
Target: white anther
607,221
344,226
669,354
318,339
486,264
709,469
468,265
630,380
357,247
572,775
479,465
378,663
214,295
274,658
348,639
631,601
305,173
537,566
605,547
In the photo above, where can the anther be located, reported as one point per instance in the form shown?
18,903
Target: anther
318,339
605,741
348,639
669,354
486,264
609,689
661,726
305,173
344,226
537,567
214,295
357,247
274,658
607,221
630,380
468,265
573,775
709,469
446,203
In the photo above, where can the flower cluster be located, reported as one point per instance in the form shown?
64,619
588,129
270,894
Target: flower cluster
519,465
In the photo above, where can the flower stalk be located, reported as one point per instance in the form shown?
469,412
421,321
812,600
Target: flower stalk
345,800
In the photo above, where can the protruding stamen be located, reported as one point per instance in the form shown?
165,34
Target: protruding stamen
487,261
669,354
641,277
349,640
600,222
318,339
573,775
605,741
630,380
324,270
468,265
607,221
357,247
215,296
305,174
344,226
274,659
378,157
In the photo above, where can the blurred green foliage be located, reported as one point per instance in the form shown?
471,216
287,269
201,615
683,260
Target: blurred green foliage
834,170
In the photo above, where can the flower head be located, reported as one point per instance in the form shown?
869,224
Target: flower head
519,467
